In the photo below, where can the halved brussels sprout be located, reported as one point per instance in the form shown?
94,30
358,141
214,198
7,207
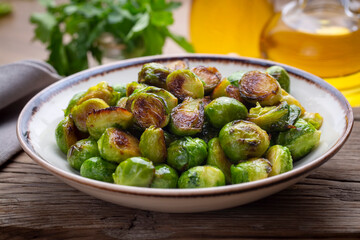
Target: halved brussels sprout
280,159
314,119
220,89
81,151
133,86
188,117
165,177
184,83
149,109
217,158
242,140
103,91
300,140
154,74
186,153
135,171
223,110
209,75
73,101
250,170
256,86
66,134
177,65
281,75
98,169
99,120
202,177
235,77
116,145
122,102
152,144
233,92
121,89
171,100
291,100
80,112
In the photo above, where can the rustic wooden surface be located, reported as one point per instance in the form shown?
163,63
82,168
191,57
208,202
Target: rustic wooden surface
36,205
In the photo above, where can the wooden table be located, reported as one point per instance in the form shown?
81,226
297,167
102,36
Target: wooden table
36,205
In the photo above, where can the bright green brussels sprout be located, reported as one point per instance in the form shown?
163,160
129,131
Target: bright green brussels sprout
256,86
165,177
133,86
80,112
116,145
300,140
73,101
250,170
294,114
122,102
291,100
184,83
154,74
152,144
98,169
217,158
188,117
103,91
314,119
201,177
220,89
208,132
99,120
121,89
223,110
81,151
235,77
177,65
209,75
280,159
186,153
135,171
171,100
281,75
241,140
66,134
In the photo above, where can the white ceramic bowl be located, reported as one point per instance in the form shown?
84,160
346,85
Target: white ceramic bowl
40,116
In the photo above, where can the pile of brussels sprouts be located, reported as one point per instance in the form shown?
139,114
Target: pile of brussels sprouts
177,127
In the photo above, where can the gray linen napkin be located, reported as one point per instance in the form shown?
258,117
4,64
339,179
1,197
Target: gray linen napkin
18,83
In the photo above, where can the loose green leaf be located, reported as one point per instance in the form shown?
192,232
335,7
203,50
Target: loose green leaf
45,23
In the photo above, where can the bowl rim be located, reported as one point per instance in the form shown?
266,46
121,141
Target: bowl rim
31,107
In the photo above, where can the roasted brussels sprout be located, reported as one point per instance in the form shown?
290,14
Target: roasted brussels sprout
201,177
184,83
154,74
223,110
186,153
217,158
73,101
291,100
80,112
294,114
122,102
177,65
234,92
117,146
171,100
98,169
135,171
187,118
281,75
165,177
103,91
209,75
256,86
66,134
99,120
314,119
152,144
250,170
131,87
300,140
241,140
220,89
280,159
121,89
235,77
81,151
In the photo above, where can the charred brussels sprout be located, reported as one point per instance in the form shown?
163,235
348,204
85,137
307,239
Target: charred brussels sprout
186,153
209,75
81,151
281,75
291,100
201,177
251,170
187,118
177,65
103,91
122,102
152,144
165,177
66,134
280,159
223,110
171,100
235,78
256,86
133,86
80,112
98,169
135,171
184,83
314,119
116,145
300,140
73,101
154,74
99,120
241,140
217,158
